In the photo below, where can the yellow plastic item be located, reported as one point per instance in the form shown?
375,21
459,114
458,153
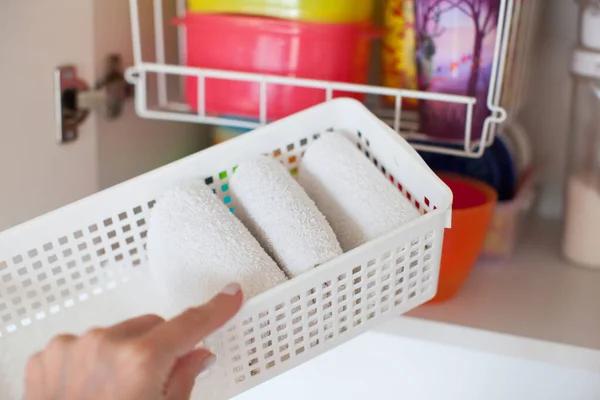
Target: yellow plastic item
399,60
331,11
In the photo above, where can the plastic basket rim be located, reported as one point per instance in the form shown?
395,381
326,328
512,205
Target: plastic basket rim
250,136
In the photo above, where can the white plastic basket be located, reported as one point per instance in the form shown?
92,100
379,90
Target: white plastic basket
61,259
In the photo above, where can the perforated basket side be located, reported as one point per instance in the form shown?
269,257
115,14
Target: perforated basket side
324,308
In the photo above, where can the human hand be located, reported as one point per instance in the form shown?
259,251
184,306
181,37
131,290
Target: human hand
144,358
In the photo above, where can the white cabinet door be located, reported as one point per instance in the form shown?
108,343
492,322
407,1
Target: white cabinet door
36,174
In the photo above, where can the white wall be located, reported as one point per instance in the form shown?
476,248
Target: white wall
131,146
547,115
37,175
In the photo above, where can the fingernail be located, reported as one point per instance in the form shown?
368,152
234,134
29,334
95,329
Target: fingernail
232,289
207,363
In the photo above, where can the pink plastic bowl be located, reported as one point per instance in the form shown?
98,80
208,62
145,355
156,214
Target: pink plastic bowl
335,52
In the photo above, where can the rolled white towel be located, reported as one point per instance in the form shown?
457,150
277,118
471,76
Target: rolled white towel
196,246
279,213
358,201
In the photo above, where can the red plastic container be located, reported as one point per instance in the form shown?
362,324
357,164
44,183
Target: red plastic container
334,52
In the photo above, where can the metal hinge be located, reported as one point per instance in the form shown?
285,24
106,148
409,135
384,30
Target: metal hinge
74,99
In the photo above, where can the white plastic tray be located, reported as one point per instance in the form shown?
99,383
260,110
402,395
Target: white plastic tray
65,258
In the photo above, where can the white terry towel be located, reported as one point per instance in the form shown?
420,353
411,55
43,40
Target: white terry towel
358,201
196,246
281,216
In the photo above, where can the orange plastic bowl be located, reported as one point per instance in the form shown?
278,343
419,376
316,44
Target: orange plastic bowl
472,209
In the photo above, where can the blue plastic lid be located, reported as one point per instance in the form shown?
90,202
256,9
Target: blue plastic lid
237,130
496,167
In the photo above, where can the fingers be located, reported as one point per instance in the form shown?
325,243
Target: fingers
34,378
181,334
160,351
54,361
181,382
135,327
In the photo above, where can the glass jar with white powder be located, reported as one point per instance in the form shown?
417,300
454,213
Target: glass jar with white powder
581,242
590,24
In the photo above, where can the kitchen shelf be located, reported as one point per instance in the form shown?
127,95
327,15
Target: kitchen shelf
153,99
537,306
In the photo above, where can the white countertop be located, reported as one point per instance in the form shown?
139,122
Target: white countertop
536,306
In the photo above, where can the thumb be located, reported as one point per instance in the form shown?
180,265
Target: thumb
186,369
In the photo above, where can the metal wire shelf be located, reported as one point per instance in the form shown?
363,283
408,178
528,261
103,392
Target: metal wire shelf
402,121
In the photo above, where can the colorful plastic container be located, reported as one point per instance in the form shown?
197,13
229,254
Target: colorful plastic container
333,52
329,11
472,210
224,133
507,224
455,55
399,55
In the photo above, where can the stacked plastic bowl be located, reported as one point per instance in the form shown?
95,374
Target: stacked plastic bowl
314,39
